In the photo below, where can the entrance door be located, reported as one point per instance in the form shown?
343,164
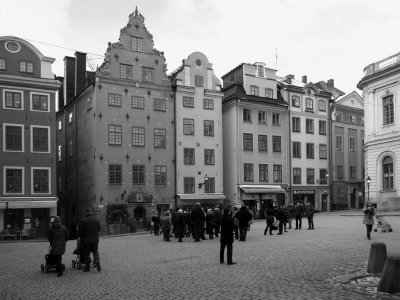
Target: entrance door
353,196
41,221
324,199
139,214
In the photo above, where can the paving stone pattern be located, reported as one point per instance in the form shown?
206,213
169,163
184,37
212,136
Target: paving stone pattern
299,264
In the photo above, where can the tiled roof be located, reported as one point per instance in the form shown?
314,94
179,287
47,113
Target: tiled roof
331,89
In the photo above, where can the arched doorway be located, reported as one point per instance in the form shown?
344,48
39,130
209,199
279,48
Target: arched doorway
139,217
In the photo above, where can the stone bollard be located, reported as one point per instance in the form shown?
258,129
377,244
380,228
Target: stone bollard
390,279
377,258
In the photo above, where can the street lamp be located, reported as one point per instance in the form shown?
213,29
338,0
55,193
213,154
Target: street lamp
204,182
368,183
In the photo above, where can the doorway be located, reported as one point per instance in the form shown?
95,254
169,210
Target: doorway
139,214
41,221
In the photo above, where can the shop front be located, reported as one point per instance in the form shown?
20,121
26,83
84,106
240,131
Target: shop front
187,201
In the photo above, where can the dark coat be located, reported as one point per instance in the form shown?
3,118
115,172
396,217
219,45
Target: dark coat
210,222
369,212
88,230
197,216
269,214
290,208
282,214
227,228
179,225
243,216
309,210
58,236
299,210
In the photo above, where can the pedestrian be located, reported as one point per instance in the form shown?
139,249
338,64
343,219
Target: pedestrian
309,213
227,228
203,225
290,208
217,217
251,220
244,217
88,231
235,210
281,215
166,225
197,219
210,223
298,214
180,225
156,223
188,223
368,220
269,218
58,237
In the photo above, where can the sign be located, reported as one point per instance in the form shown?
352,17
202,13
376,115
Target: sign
303,192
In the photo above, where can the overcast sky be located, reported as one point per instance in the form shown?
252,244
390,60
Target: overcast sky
321,39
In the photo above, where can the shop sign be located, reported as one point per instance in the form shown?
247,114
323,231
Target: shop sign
303,192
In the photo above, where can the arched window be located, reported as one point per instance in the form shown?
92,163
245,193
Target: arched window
387,167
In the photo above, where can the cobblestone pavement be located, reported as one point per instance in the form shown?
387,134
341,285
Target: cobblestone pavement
296,265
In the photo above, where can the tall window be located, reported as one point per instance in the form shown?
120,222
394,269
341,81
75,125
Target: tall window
260,70
209,156
138,175
40,139
338,117
296,101
14,139
114,134
198,80
248,172
277,173
352,119
188,126
114,99
159,105
188,185
262,117
25,67
137,102
138,137
263,172
339,143
322,127
14,180
209,186
148,74
297,149
188,101
41,181
188,156
323,179
262,142
126,71
352,172
297,175
40,102
276,120
246,115
310,176
388,110
114,174
160,175
310,150
321,105
59,151
160,138
2,64
247,141
276,143
339,171
208,104
296,124
269,93
208,128
323,151
352,144
137,44
13,100
309,104
254,90
387,167
310,126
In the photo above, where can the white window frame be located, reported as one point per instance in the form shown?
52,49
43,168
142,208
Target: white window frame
13,91
70,117
32,188
4,180
43,94
48,138
22,135
59,125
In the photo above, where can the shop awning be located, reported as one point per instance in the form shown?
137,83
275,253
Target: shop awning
261,189
198,197
26,202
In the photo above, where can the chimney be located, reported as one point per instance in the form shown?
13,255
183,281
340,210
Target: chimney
290,76
80,72
331,83
69,79
304,79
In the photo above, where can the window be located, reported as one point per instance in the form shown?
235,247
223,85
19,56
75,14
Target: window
40,102
126,71
269,93
188,126
13,139
198,80
309,104
352,119
12,100
323,178
254,90
296,101
248,172
138,137
59,151
138,175
310,176
321,105
40,139
25,67
276,143
310,126
296,176
148,74
160,138
352,172
388,110
277,173
114,134
339,143
70,118
297,149
188,101
310,150
246,115
2,64
262,117
137,44
160,175
59,125
323,154
276,120
296,127
260,70
263,172
208,128
14,180
262,142
114,174
322,127
137,102
41,180
188,156
247,141
188,185
338,117
340,171
387,167
159,105
114,99
209,156
70,149
209,186
208,104
352,144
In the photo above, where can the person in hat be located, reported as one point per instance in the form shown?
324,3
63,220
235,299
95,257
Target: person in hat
88,232
368,220
58,236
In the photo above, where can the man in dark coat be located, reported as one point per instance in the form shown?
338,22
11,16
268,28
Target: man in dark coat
217,216
290,208
282,216
197,219
227,228
309,213
180,225
244,217
58,236
88,231
298,213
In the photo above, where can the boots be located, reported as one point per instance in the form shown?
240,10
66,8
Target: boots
369,235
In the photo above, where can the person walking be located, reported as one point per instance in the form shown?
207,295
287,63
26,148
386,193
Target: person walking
227,228
290,208
281,215
235,210
244,217
309,213
58,237
368,220
269,218
166,225
210,223
180,225
88,231
217,216
298,214
197,220
156,223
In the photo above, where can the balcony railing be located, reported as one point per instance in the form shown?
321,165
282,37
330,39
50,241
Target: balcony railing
382,64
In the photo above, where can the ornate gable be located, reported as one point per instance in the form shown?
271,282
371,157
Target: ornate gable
353,100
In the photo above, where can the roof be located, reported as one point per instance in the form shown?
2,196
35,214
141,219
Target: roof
329,88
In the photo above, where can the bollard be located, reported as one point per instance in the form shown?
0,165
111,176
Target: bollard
390,279
377,258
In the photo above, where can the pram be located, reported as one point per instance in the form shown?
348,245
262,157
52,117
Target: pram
382,224
50,263
78,261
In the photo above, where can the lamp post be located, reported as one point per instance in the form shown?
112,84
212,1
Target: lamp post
368,183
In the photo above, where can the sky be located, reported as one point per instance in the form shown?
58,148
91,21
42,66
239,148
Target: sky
329,39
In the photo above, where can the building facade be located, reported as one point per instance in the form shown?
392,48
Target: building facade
198,133
381,93
28,88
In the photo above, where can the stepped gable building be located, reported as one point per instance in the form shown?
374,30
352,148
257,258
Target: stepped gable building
256,145
198,133
28,197
116,134
381,93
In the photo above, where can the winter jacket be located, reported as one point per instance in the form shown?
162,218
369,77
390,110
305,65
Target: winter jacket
166,221
243,216
369,212
299,210
57,237
309,210
197,216
88,230
227,227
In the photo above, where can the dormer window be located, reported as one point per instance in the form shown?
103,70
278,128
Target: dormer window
137,44
269,93
254,90
260,71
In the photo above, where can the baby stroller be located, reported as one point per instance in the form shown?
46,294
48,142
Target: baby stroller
382,224
78,261
50,263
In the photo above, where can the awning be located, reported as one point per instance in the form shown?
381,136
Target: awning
261,189
49,202
198,197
